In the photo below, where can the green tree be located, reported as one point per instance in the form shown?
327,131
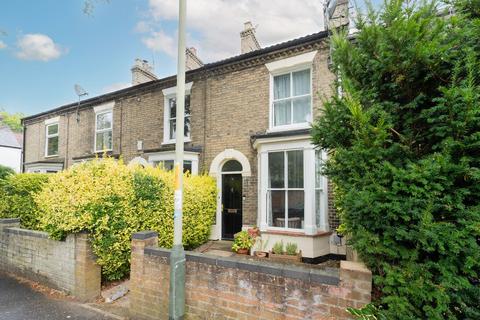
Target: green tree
404,148
13,120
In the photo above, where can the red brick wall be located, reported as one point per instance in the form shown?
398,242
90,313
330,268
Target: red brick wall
232,288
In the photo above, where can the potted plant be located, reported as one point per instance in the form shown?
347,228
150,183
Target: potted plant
289,253
242,242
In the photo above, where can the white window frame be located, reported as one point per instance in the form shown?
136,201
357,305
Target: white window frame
266,146
167,95
49,123
288,66
170,155
286,189
100,110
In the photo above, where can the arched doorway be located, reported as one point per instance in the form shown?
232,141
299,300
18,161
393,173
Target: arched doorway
232,196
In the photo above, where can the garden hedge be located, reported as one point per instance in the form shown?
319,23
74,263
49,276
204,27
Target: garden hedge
17,193
112,201
404,155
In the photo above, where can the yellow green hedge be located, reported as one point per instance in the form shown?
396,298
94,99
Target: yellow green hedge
16,197
111,201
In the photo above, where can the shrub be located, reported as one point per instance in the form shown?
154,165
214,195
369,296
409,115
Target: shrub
16,198
111,201
404,155
5,172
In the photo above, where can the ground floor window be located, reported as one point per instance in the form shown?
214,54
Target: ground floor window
292,189
166,160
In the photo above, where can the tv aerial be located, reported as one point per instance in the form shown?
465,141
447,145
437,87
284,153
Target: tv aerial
80,93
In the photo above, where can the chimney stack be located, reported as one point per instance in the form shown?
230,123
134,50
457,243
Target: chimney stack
247,38
142,71
191,60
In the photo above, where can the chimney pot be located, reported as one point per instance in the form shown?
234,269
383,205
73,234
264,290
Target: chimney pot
192,61
248,41
142,71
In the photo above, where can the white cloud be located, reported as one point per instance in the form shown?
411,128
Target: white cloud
216,24
2,45
38,47
115,86
159,41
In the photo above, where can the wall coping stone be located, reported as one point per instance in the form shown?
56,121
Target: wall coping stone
329,276
143,235
9,220
26,232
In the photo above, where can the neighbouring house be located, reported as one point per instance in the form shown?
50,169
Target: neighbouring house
248,122
10,147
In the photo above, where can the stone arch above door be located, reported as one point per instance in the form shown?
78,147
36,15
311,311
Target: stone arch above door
230,154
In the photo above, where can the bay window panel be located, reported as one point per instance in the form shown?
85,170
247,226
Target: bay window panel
282,111
301,82
276,169
301,109
295,169
276,208
296,209
281,86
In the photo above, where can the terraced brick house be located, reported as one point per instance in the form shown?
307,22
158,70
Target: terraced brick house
248,122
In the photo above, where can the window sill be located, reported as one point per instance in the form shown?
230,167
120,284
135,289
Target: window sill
297,233
289,128
52,156
173,141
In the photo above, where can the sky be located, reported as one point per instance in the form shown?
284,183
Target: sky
48,46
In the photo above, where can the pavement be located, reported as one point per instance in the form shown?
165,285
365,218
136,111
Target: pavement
18,301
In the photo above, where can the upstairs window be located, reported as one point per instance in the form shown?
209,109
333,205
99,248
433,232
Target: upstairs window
172,117
51,145
292,99
103,131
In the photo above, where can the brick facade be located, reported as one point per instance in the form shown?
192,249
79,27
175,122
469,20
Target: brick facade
67,265
230,103
233,288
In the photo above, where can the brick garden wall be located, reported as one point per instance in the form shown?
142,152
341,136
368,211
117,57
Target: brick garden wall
67,265
234,288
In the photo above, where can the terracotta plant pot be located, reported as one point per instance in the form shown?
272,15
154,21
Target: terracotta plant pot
242,251
261,254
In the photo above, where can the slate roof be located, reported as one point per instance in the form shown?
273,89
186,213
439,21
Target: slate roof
8,138
209,66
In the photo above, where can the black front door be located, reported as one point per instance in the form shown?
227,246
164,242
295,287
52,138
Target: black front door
231,205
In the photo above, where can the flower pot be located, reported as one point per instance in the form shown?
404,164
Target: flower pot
261,254
242,251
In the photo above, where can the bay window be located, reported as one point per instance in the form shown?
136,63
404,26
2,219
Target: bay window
292,190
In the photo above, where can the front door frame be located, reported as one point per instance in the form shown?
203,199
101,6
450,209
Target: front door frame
216,171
